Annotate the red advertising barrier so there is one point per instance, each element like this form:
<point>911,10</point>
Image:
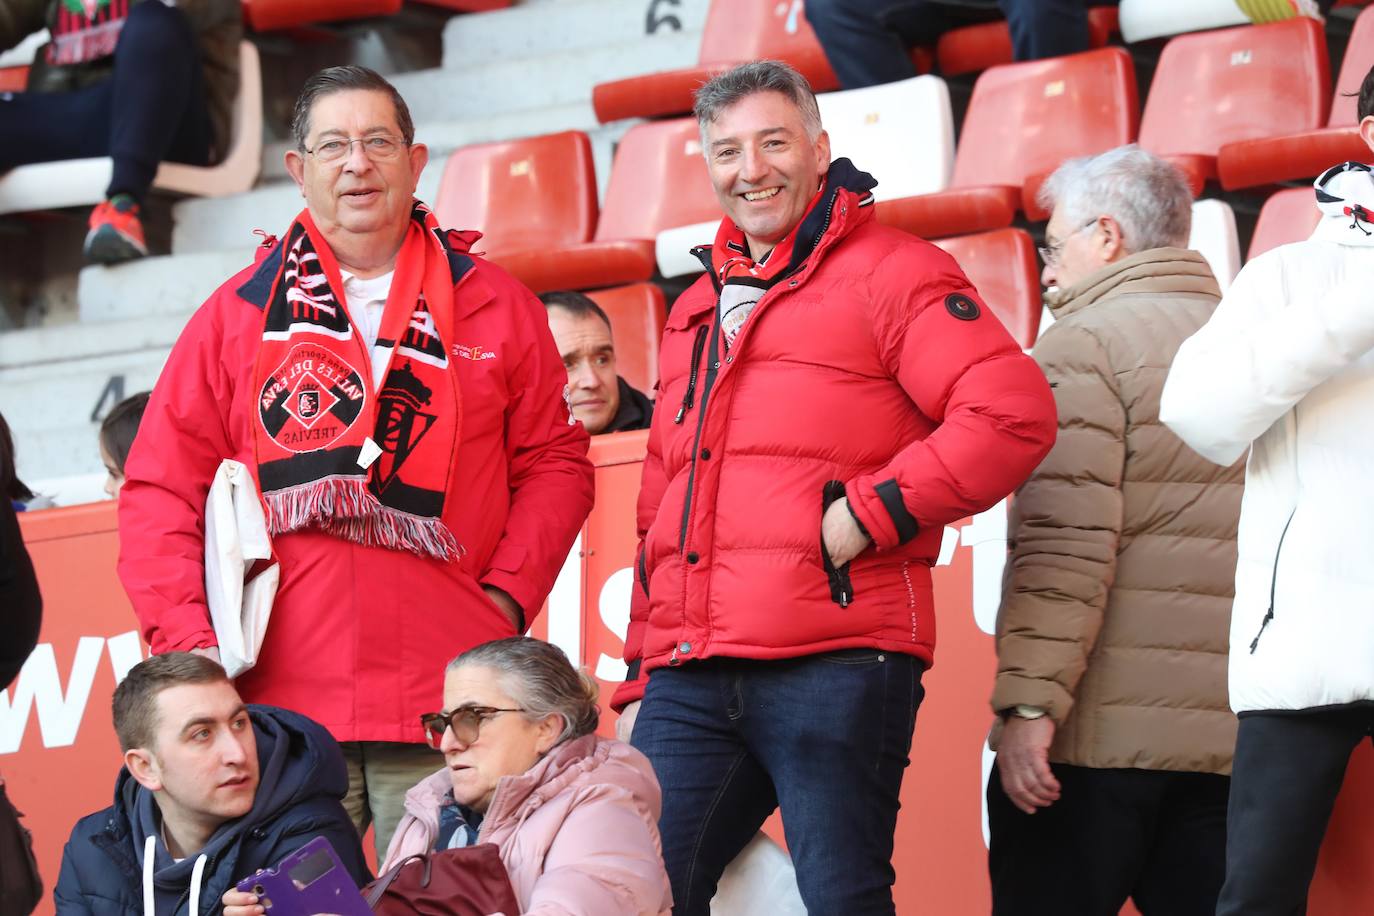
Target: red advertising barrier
<point>58,751</point>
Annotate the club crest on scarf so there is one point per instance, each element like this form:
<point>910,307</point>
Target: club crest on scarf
<point>321,422</point>
<point>310,399</point>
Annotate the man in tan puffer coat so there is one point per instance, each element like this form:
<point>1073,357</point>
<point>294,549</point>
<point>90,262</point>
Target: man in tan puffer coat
<point>1114,734</point>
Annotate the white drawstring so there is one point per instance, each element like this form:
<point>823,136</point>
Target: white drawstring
<point>149,854</point>
<point>195,885</point>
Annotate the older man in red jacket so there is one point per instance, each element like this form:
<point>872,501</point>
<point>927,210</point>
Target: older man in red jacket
<point>833,393</point>
<point>400,403</point>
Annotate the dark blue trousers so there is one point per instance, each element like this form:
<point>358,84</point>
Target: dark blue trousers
<point>867,41</point>
<point>150,109</point>
<point>824,737</point>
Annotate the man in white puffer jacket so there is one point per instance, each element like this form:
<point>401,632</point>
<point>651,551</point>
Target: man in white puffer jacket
<point>1285,367</point>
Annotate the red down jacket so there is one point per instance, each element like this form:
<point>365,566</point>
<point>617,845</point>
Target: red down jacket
<point>359,636</point>
<point>873,363</point>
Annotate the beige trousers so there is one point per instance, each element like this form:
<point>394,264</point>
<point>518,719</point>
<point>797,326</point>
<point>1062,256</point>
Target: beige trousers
<point>379,775</point>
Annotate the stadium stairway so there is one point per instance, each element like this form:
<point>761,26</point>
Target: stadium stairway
<point>509,73</point>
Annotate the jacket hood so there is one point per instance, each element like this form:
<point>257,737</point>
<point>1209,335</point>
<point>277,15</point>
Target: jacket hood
<point>292,766</point>
<point>1345,196</point>
<point>586,760</point>
<point>1156,270</point>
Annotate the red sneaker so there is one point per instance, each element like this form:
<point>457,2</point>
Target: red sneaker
<point>116,232</point>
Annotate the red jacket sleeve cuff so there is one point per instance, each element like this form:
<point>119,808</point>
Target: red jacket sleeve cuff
<point>880,508</point>
<point>517,588</point>
<point>192,631</point>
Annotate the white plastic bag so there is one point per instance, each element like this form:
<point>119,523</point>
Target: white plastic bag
<point>236,537</point>
<point>760,880</point>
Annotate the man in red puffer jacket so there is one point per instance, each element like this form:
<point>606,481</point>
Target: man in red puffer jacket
<point>832,394</point>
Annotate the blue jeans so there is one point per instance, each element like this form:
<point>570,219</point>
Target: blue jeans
<point>823,737</point>
<point>867,41</point>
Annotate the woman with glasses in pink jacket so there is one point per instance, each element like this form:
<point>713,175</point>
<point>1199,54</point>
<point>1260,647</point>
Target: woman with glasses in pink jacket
<point>574,815</point>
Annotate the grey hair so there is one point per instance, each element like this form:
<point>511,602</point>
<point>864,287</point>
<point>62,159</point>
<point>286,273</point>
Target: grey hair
<point>541,681</point>
<point>341,79</point>
<point>725,89</point>
<point>1147,196</point>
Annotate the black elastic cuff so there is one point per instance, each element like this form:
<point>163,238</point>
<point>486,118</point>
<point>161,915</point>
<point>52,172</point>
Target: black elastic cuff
<point>632,673</point>
<point>891,495</point>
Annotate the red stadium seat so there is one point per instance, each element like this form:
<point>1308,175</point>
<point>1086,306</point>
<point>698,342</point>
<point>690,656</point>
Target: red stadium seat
<point>536,193</point>
<point>736,31</point>
<point>1002,267</point>
<point>637,314</point>
<point>988,44</point>
<point>1023,121</point>
<point>468,6</point>
<point>268,15</point>
<point>1251,163</point>
<point>658,181</point>
<point>1287,216</point>
<point>1214,88</point>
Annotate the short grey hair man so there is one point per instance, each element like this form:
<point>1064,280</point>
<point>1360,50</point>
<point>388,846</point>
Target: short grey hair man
<point>1136,200</point>
<point>728,88</point>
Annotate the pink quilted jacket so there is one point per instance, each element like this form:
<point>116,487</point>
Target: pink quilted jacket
<point>578,832</point>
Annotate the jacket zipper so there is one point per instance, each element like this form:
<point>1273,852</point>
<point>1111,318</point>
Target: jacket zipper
<point>1273,583</point>
<point>841,589</point>
<point>703,254</point>
<point>643,572</point>
<point>689,398</point>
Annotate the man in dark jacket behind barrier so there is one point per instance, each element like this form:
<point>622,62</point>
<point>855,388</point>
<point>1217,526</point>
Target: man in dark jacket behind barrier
<point>211,791</point>
<point>833,393</point>
<point>599,398</point>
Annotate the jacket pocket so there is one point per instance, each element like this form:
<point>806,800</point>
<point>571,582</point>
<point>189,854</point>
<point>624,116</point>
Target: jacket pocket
<point>1273,583</point>
<point>841,590</point>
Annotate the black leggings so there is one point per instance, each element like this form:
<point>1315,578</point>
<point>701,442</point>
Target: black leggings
<point>151,108</point>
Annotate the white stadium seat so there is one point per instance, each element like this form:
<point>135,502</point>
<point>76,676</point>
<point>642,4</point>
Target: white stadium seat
<point>1214,237</point>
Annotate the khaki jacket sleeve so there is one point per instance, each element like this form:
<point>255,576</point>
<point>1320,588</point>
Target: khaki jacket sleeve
<point>1064,530</point>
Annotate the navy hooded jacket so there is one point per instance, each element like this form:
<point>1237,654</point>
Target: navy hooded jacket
<point>302,779</point>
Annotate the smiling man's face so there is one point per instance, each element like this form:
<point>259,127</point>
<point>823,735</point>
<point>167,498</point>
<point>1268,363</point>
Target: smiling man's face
<point>356,194</point>
<point>764,166</point>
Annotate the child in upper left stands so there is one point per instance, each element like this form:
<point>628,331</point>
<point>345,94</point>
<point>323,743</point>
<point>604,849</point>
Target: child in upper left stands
<point>117,433</point>
<point>139,81</point>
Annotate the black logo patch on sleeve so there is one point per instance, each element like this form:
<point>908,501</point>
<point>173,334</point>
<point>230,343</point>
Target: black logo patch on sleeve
<point>962,307</point>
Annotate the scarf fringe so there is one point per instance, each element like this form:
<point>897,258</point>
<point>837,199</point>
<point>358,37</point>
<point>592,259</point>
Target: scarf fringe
<point>345,508</point>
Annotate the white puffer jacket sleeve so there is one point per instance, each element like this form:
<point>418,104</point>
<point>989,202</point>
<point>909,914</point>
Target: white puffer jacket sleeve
<point>1264,349</point>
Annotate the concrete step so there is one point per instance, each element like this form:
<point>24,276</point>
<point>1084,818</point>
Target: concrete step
<point>532,30</point>
<point>159,286</point>
<point>53,379</point>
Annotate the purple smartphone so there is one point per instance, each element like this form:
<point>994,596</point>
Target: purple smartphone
<point>309,882</point>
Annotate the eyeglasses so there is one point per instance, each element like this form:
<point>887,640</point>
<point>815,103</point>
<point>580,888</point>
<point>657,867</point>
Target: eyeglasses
<point>466,722</point>
<point>377,147</point>
<point>1050,253</point>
